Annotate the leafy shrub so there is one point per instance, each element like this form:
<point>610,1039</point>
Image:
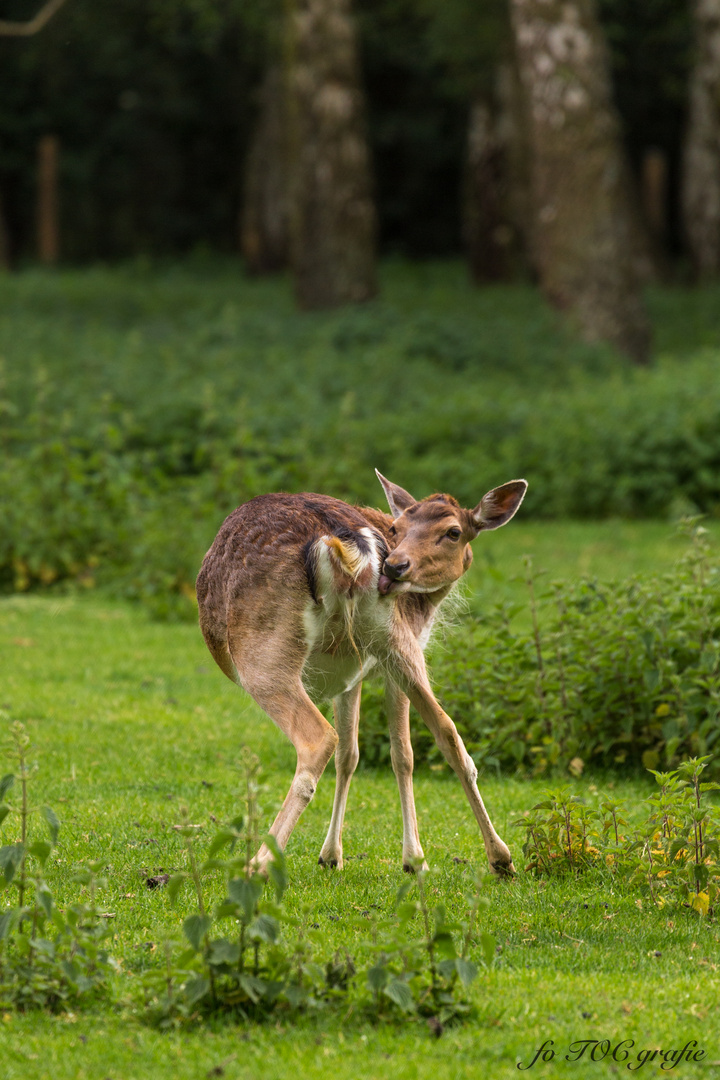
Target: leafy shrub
<point>611,674</point>
<point>266,959</point>
<point>674,855</point>
<point>49,958</point>
<point>427,975</point>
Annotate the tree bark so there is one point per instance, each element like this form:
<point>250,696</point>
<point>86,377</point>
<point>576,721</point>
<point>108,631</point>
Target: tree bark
<point>48,227</point>
<point>585,233</point>
<point>701,167</point>
<point>332,211</point>
<point>496,191</point>
<point>265,223</point>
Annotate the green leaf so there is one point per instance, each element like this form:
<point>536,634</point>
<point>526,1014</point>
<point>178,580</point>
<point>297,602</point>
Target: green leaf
<point>227,910</point>
<point>4,811</point>
<point>246,892</point>
<point>264,928</point>
<point>53,822</point>
<point>11,856</point>
<point>41,849</point>
<point>444,943</point>
<point>677,845</point>
<point>195,928</point>
<point>399,992</point>
<point>488,944</point>
<point>45,898</point>
<point>253,987</point>
<point>447,968</point>
<point>8,918</point>
<point>223,951</point>
<point>196,989</point>
<point>277,869</point>
<point>175,884</point>
<point>377,977</point>
<point>5,784</point>
<point>277,872</point>
<point>220,840</point>
<point>466,970</point>
<point>295,996</point>
<point>700,874</point>
<point>402,892</point>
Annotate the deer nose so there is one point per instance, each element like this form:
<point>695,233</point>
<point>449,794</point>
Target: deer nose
<point>395,570</point>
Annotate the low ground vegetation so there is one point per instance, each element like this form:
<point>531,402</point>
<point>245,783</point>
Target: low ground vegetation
<point>246,957</point>
<point>128,724</point>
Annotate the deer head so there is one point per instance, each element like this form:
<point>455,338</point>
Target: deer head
<point>431,538</point>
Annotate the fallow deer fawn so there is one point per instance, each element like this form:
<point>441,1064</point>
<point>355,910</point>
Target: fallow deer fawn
<point>301,595</point>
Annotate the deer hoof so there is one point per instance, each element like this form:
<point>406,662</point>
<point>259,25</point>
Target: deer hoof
<point>332,863</point>
<point>503,869</point>
<point>413,867</point>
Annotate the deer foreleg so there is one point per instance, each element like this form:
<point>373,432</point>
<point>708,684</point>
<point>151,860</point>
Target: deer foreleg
<point>412,677</point>
<point>453,748</point>
<point>347,716</point>
<point>401,755</point>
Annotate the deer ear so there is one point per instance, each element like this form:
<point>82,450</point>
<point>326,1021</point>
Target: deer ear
<point>398,498</point>
<point>499,505</point>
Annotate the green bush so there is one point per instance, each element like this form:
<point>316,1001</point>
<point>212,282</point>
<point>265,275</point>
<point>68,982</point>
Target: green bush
<point>673,854</point>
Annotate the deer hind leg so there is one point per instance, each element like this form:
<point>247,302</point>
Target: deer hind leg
<point>347,716</point>
<point>280,693</point>
<point>412,676</point>
<point>401,755</point>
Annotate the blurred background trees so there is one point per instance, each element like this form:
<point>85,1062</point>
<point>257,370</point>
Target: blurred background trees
<point>312,133</point>
<point>701,180</point>
<point>586,243</point>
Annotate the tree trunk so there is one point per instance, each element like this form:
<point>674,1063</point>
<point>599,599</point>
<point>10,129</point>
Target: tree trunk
<point>496,191</point>
<point>701,172</point>
<point>332,211</point>
<point>654,192</point>
<point>48,229</point>
<point>585,235</point>
<point>265,223</point>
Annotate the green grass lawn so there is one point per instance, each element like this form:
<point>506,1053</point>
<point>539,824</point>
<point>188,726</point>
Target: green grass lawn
<point>130,721</point>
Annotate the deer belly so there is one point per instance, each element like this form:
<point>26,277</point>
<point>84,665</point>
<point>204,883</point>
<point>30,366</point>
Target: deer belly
<point>325,676</point>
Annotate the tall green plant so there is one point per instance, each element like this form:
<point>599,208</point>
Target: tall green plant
<point>49,958</point>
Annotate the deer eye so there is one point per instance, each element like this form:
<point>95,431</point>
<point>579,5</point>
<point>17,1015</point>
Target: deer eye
<point>392,530</point>
<point>453,534</point>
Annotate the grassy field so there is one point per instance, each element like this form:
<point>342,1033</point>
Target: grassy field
<point>130,721</point>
